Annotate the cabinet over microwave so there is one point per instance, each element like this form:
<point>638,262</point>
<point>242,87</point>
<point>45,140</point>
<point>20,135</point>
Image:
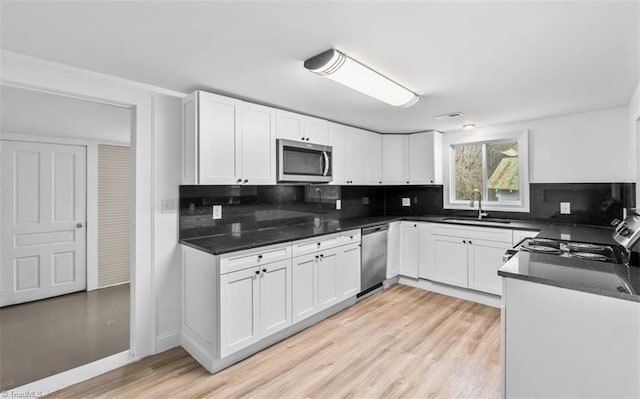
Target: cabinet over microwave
<point>303,162</point>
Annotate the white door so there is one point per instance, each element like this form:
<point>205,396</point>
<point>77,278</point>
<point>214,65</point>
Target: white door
<point>327,279</point>
<point>219,120</point>
<point>239,304</point>
<point>258,145</point>
<point>43,221</point>
<point>450,260</point>
<point>349,271</point>
<point>394,249</point>
<point>303,291</point>
<point>485,258</point>
<point>409,257</point>
<point>275,297</point>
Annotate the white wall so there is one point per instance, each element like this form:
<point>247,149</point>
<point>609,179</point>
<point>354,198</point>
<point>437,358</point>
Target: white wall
<point>586,147</point>
<point>168,283</point>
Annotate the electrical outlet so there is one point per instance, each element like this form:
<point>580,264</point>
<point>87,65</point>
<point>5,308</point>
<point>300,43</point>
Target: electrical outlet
<point>406,202</point>
<point>338,204</point>
<point>365,200</point>
<point>565,208</point>
<point>217,211</point>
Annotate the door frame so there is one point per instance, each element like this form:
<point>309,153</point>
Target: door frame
<point>36,74</point>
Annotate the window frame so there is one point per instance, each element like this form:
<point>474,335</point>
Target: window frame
<point>448,193</point>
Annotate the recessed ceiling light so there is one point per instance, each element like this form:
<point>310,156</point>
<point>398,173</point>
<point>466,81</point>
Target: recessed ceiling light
<point>448,116</point>
<point>469,126</point>
<point>340,68</point>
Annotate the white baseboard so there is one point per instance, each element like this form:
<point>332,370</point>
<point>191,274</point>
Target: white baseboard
<point>462,293</point>
<point>167,341</point>
<point>67,378</point>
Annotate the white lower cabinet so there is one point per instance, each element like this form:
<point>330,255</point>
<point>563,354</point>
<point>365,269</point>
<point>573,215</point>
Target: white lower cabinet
<point>450,260</point>
<point>485,258</point>
<point>470,262</point>
<point>394,249</point>
<point>303,293</point>
<point>239,310</point>
<point>409,257</point>
<point>324,278</point>
<point>348,271</point>
<point>254,303</point>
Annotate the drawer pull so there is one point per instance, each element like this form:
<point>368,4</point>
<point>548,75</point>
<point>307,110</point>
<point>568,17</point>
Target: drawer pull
<point>257,271</point>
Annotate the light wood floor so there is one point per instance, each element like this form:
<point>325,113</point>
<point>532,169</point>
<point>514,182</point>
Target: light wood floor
<point>401,343</point>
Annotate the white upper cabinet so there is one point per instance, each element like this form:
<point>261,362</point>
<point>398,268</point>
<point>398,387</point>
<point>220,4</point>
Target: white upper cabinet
<point>336,140</point>
<point>425,158</point>
<point>227,141</point>
<point>219,120</point>
<point>258,145</point>
<point>349,154</point>
<point>395,159</point>
<point>371,158</point>
<point>353,155</point>
<point>299,127</point>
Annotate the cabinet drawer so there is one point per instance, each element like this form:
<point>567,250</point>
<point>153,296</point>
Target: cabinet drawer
<point>350,237</point>
<point>252,257</point>
<point>481,233</point>
<point>314,244</point>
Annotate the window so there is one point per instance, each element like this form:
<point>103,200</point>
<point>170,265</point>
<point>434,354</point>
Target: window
<point>494,166</point>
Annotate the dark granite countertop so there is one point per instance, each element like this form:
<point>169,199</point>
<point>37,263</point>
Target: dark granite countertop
<point>601,278</point>
<point>225,243</point>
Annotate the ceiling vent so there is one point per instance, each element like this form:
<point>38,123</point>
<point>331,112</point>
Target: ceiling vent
<point>448,116</point>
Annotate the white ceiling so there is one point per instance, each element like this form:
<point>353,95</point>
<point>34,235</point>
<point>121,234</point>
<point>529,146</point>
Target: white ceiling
<point>44,114</point>
<point>495,61</point>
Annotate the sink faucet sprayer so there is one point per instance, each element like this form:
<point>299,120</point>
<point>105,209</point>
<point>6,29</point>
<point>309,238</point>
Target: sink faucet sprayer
<point>473,196</point>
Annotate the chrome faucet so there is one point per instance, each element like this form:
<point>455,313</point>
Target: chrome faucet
<point>473,196</point>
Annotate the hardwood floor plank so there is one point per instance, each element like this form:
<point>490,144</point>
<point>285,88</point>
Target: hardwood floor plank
<point>401,343</point>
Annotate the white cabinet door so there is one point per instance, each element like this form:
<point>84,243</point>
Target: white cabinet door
<point>353,155</point>
<point>421,158</point>
<point>425,251</point>
<point>239,308</point>
<point>395,159</point>
<point>304,301</point>
<point>485,258</point>
<point>257,150</point>
<point>316,130</point>
<point>336,140</point>
<point>394,249</point>
<point>348,271</point>
<point>450,260</point>
<point>289,126</point>
<point>327,278</point>
<point>275,297</point>
<point>219,119</point>
<point>371,158</point>
<point>409,257</point>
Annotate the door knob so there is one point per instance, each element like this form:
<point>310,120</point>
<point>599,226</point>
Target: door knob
<point>79,225</point>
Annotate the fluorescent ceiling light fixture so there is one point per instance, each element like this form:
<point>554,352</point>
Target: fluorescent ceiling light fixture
<point>469,126</point>
<point>338,67</point>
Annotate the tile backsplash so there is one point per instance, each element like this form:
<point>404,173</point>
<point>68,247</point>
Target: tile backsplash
<point>254,207</point>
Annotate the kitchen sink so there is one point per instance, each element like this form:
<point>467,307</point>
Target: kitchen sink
<point>476,220</point>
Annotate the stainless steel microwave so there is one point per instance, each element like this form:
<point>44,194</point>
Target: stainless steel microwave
<point>303,162</point>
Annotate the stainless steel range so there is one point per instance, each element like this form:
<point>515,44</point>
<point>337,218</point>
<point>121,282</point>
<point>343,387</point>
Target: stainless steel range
<point>569,249</point>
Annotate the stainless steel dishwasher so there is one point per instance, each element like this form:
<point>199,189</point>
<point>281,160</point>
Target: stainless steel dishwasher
<point>373,268</point>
